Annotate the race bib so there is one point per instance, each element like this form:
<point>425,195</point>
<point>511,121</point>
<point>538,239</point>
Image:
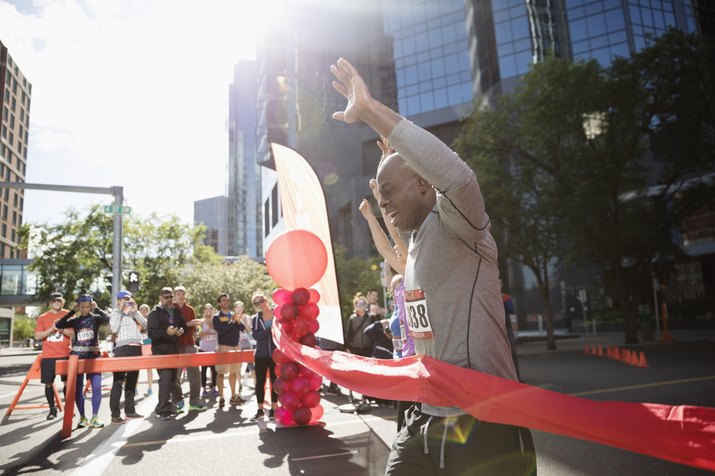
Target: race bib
<point>417,317</point>
<point>208,337</point>
<point>55,337</point>
<point>85,334</point>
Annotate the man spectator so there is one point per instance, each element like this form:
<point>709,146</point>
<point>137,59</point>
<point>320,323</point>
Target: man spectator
<point>187,345</point>
<point>372,296</point>
<point>165,326</point>
<point>455,313</point>
<point>126,324</point>
<point>228,326</point>
<point>56,346</point>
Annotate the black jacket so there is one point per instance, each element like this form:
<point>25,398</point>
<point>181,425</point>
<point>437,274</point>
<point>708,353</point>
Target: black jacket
<point>157,323</point>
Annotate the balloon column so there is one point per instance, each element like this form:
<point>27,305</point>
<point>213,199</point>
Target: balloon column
<point>296,260</point>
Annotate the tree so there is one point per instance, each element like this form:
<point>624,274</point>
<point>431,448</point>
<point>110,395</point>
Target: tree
<point>518,150</point>
<point>75,257</point>
<point>240,280</point>
<point>354,275</point>
<point>603,160</point>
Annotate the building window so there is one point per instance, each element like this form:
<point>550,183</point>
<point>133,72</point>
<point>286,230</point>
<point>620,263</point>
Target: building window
<point>274,205</point>
<point>266,218</point>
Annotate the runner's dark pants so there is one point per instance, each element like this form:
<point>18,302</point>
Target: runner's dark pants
<point>128,380</point>
<point>468,446</point>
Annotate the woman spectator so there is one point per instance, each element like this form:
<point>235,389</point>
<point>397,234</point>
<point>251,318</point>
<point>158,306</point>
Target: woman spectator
<point>208,343</point>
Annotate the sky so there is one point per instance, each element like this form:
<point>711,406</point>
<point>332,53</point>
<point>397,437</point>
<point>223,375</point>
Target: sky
<point>128,92</point>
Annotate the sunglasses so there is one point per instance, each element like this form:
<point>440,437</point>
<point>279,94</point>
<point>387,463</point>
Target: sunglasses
<point>57,300</point>
<point>361,304</point>
<point>168,296</point>
<point>258,302</point>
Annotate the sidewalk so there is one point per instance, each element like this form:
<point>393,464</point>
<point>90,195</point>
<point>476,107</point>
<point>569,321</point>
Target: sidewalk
<point>15,351</point>
<point>577,341</point>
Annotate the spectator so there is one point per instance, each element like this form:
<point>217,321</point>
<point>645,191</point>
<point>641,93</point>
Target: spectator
<point>187,345</point>
<point>208,343</point>
<point>261,329</point>
<point>228,328</point>
<point>86,346</point>
<point>55,346</point>
<point>146,350</point>
<point>244,341</point>
<point>355,339</point>
<point>125,323</point>
<point>165,326</point>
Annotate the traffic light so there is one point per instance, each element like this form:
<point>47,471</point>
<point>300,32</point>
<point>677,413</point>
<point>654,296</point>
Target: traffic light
<point>133,282</point>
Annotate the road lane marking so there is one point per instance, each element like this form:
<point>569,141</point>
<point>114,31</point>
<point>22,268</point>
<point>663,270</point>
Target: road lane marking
<point>332,455</point>
<point>644,385</point>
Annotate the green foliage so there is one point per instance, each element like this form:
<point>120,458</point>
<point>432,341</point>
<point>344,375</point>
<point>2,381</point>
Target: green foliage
<point>550,182</point>
<point>355,275</point>
<point>240,280</point>
<point>75,256</point>
<point>23,328</point>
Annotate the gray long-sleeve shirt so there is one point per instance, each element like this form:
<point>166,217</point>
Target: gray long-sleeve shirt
<point>126,327</point>
<point>453,259</point>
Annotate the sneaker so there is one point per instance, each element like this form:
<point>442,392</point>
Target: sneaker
<point>118,420</point>
<point>221,402</point>
<point>165,417</point>
<point>214,393</point>
<point>204,393</point>
<point>271,414</point>
<point>180,406</point>
<point>237,400</point>
<point>133,415</point>
<point>332,391</point>
<point>198,407</point>
<point>83,422</point>
<point>96,423</point>
<point>53,414</point>
<point>148,392</point>
<point>259,415</point>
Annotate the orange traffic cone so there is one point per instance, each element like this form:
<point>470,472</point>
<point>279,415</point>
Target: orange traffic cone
<point>600,351</point>
<point>642,362</point>
<point>634,359</point>
<point>616,354</point>
<point>586,350</point>
<point>626,356</point>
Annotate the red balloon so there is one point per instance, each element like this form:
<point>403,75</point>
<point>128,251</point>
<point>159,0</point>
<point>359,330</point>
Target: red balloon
<point>281,296</point>
<point>281,386</point>
<point>309,311</point>
<point>309,340</point>
<point>313,326</point>
<point>316,381</point>
<point>316,412</point>
<point>284,416</point>
<point>310,399</point>
<point>289,311</point>
<point>301,296</point>
<point>302,415</point>
<point>300,385</point>
<point>300,327</point>
<point>306,372</point>
<point>289,400</point>
<point>314,295</point>
<point>287,326</point>
<point>278,370</point>
<point>289,371</point>
<point>279,357</point>
<point>296,259</point>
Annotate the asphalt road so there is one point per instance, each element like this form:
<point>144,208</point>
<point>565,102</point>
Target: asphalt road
<point>223,441</point>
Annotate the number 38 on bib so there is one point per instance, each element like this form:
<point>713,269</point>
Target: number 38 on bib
<point>417,316</point>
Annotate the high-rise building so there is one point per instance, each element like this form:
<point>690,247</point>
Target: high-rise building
<point>14,129</point>
<point>244,174</point>
<point>213,213</point>
<point>296,100</point>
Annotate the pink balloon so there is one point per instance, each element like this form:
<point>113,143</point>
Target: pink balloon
<point>306,372</point>
<point>317,413</point>
<point>287,326</point>
<point>284,416</point>
<point>309,340</point>
<point>314,295</point>
<point>301,296</point>
<point>309,311</point>
<point>279,357</point>
<point>282,296</point>
<point>296,259</point>
<point>289,311</point>
<point>289,400</point>
<point>316,381</point>
<point>289,371</point>
<point>300,327</point>
<point>281,386</point>
<point>313,326</point>
<point>302,415</point>
<point>300,385</point>
<point>310,399</point>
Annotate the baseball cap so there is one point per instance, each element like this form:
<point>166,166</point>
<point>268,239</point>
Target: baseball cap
<point>55,296</point>
<point>123,294</point>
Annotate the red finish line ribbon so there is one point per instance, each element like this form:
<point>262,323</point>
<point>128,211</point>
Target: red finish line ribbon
<point>682,434</point>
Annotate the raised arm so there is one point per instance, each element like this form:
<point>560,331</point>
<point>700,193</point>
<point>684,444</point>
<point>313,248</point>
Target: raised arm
<point>380,239</point>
